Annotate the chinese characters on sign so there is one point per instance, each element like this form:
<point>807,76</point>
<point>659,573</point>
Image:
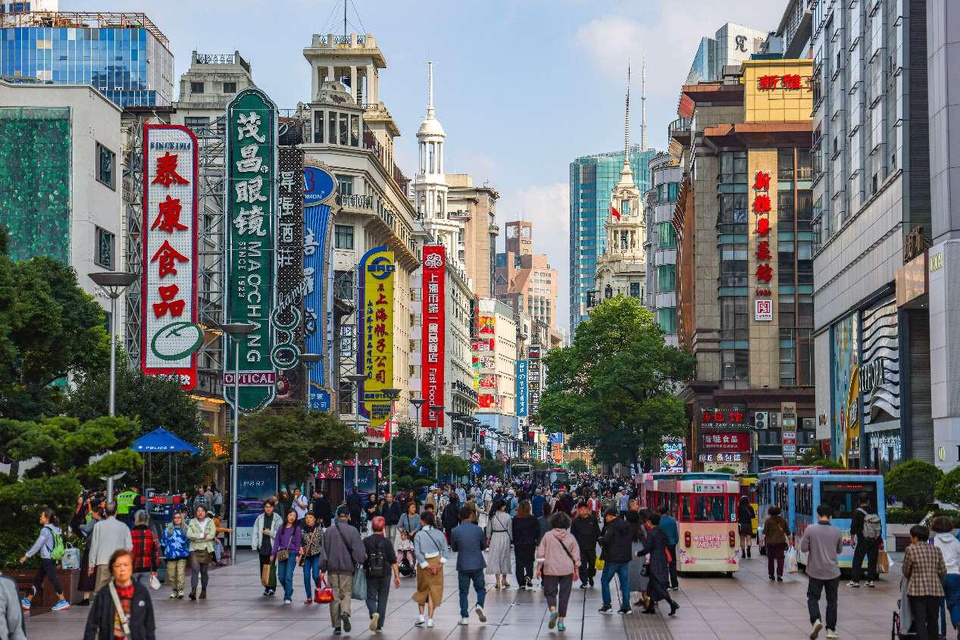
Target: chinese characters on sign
<point>720,457</point>
<point>434,328</point>
<point>169,301</point>
<point>522,408</point>
<point>717,417</point>
<point>788,82</point>
<point>761,209</point>
<point>375,357</point>
<point>250,238</point>
<point>534,380</point>
<point>727,441</point>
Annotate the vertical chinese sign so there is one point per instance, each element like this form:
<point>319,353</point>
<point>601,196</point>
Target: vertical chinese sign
<point>434,327</point>
<point>169,337</point>
<point>250,209</point>
<point>375,320</point>
<point>486,374</point>
<point>287,315</point>
<point>522,390</point>
<point>763,296</point>
<point>319,191</point>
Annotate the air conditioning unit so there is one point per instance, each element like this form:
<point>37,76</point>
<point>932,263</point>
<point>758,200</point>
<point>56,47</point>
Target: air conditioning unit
<point>808,423</point>
<point>761,420</point>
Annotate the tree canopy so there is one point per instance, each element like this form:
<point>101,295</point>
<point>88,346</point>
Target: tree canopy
<point>612,389</point>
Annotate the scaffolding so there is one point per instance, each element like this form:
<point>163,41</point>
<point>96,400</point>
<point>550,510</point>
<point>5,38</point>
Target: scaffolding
<point>132,154</point>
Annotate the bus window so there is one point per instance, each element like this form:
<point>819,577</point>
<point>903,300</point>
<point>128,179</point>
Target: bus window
<point>709,509</point>
<point>843,497</point>
<point>685,508</point>
<point>732,508</point>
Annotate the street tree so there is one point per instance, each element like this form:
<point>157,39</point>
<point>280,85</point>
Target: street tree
<point>612,389</point>
<point>578,465</point>
<point>296,437</point>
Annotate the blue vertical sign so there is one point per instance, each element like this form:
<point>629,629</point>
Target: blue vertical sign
<point>318,190</point>
<point>522,389</point>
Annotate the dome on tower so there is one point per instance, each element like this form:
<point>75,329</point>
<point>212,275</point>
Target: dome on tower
<point>431,127</point>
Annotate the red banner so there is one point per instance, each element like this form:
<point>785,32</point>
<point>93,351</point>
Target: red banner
<point>727,441</point>
<point>434,326</point>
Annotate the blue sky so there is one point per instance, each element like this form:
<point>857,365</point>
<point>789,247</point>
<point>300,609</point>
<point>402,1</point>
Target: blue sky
<point>522,87</point>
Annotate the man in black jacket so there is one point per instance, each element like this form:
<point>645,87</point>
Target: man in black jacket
<point>391,514</point>
<point>586,530</point>
<point>355,507</point>
<point>868,543</point>
<point>617,549</point>
<point>322,508</point>
<point>450,517</point>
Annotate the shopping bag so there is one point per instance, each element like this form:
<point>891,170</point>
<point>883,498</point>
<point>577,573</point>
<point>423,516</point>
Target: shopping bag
<point>598,565</point>
<point>791,561</point>
<point>268,576</point>
<point>323,594</point>
<point>763,550</point>
<point>71,558</point>
<point>360,584</point>
<point>154,583</point>
<point>883,562</point>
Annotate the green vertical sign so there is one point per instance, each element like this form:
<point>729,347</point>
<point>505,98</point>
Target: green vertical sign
<point>250,238</point>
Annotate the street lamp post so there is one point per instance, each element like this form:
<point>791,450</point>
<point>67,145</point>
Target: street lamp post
<point>438,409</point>
<point>356,379</point>
<point>114,283</point>
<point>236,331</point>
<point>308,359</point>
<point>417,403</point>
<point>393,394</point>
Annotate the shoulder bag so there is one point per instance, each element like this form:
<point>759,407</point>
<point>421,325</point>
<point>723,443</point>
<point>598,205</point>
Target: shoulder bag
<point>124,619</point>
<point>306,548</point>
<point>567,551</point>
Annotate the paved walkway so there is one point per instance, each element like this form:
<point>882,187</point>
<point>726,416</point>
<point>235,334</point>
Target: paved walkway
<point>747,607</point>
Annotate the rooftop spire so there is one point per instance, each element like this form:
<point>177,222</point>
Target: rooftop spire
<point>643,105</point>
<point>626,127</point>
<point>430,89</point>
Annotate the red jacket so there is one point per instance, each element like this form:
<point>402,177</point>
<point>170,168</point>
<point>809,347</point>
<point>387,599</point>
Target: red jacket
<point>146,550</point>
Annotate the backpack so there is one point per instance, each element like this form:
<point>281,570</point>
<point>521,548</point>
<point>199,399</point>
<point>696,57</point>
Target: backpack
<point>58,548</point>
<point>872,525</point>
<point>376,563</point>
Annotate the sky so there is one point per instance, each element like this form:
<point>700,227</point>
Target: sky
<point>522,87</point>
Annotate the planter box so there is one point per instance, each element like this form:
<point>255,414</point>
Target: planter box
<point>46,596</point>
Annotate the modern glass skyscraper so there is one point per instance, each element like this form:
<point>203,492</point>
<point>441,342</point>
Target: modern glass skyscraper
<point>123,55</point>
<point>592,179</point>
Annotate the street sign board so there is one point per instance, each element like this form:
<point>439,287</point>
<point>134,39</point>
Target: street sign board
<point>475,468</point>
<point>475,456</point>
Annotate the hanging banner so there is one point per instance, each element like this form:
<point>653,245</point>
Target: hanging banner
<point>169,335</point>
<point>375,326</point>
<point>522,408</point>
<point>287,318</point>
<point>250,209</point>
<point>434,328</point>
<point>319,192</point>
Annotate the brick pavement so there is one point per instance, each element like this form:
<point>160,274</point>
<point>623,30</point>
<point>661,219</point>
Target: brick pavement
<point>745,608</point>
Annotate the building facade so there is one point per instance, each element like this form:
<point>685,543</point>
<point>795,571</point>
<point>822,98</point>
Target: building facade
<point>731,45</point>
<point>525,280</point>
<point>125,56</point>
<point>208,86</point>
<point>495,359</point>
<point>475,207</point>
<point>666,175</point>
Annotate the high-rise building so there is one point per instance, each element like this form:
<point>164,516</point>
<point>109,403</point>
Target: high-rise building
<point>666,174</point>
<point>123,55</point>
<point>26,6</point>
<point>474,206</point>
<point>525,280</point>
<point>731,45</point>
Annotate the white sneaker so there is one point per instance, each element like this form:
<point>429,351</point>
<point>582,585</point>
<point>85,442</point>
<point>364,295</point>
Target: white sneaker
<point>855,585</point>
<point>481,614</point>
<point>464,622</point>
<point>816,629</point>
<point>420,620</point>
<point>429,623</point>
<point>831,634</point>
<point>871,584</point>
<point>374,619</point>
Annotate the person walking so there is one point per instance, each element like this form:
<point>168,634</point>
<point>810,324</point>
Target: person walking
<point>950,548</point>
<point>299,504</point>
<point>822,543</point>
<point>176,550</point>
<point>391,516</point>
<point>866,528</point>
<point>776,539</point>
<point>265,529</point>
<point>617,547</point>
<point>322,509</point>
<point>586,531</point>
<point>124,609</point>
<point>108,536</point>
<point>201,532</point>
<point>381,569</point>
<point>543,521</point>
<point>669,527</point>
<point>469,541</point>
<point>451,515</point>
<point>146,550</point>
<point>745,516</point>
<point>311,536</point>
<point>409,522</point>
<point>355,505</point>
<point>343,550</point>
<point>656,547</point>
<point>499,539</point>
<point>286,553</point>
<point>558,565</point>
<point>429,548</point>
<point>217,501</point>
<point>924,569</point>
<point>49,544</point>
<point>526,534</point>
<point>12,625</point>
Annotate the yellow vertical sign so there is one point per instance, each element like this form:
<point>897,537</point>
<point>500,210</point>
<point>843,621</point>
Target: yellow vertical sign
<point>376,336</point>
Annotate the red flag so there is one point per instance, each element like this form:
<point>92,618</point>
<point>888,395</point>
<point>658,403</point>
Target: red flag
<point>613,210</point>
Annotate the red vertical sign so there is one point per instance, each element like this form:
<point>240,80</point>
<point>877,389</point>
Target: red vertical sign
<point>434,326</point>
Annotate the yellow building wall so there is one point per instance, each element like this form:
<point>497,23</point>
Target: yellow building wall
<point>777,104</point>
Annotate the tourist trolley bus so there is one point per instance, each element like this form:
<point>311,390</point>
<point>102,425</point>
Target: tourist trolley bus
<point>705,507</point>
<point>798,492</point>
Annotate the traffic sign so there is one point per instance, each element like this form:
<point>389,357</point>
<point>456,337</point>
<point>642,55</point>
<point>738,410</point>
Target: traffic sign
<point>475,468</point>
<point>475,457</point>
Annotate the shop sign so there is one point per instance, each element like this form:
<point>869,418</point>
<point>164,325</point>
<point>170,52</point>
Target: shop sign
<point>763,301</point>
<point>728,441</point>
<point>251,200</point>
<point>169,336</point>
<point>434,330</point>
<point>712,487</point>
<point>672,460</point>
<point>721,418</point>
<point>720,457</point>
<point>375,325</point>
<point>287,316</point>
<point>522,389</point>
<point>319,189</point>
<point>786,82</point>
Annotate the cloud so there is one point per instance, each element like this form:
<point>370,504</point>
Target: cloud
<point>548,208</point>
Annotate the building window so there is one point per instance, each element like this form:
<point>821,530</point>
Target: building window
<point>230,87</point>
<point>106,166</point>
<point>318,126</point>
<point>196,87</point>
<point>196,122</point>
<point>343,236</point>
<point>667,277</point>
<point>103,251</point>
<point>345,185</point>
<point>634,289</point>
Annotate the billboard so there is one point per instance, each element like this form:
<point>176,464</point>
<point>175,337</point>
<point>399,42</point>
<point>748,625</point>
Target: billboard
<point>434,327</point>
<point>169,336</point>
<point>672,460</point>
<point>287,315</point>
<point>522,408</point>
<point>319,191</point>
<point>255,483</point>
<point>375,326</point>
<point>250,210</point>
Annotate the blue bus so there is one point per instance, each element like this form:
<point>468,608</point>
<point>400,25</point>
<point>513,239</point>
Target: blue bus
<point>799,491</point>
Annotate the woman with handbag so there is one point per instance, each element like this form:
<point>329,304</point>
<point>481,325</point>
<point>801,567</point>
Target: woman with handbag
<point>558,565</point>
<point>499,540</point>
<point>286,549</point>
<point>201,532</point>
<point>775,539</point>
<point>312,537</point>
<point>430,549</point>
<point>123,608</point>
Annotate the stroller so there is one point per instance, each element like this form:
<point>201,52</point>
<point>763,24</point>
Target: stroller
<point>902,628</point>
<point>406,560</point>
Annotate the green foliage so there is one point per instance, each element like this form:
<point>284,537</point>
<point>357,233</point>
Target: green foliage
<point>612,389</point>
<point>913,482</point>
<point>948,489</point>
<point>49,327</point>
<point>491,467</point>
<point>902,515</point>
<point>296,437</point>
<point>453,466</point>
<point>826,463</point>
<point>730,470</point>
<point>578,465</point>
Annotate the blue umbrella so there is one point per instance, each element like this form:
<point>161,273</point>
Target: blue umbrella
<point>162,441</point>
